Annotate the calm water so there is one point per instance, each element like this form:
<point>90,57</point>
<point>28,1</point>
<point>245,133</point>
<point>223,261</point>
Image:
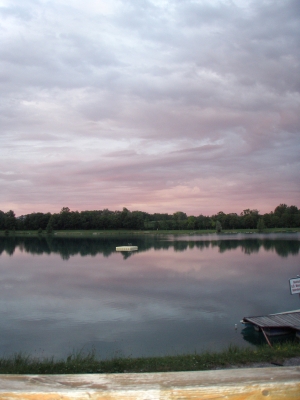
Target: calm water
<point>175,295</point>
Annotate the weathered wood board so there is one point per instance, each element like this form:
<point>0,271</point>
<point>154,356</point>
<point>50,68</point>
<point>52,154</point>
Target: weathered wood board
<point>233,384</point>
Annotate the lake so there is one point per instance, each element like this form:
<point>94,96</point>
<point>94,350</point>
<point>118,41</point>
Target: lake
<point>175,295</point>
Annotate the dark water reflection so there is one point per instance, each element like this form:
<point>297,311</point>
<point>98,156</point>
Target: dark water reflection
<point>67,247</point>
<point>175,295</point>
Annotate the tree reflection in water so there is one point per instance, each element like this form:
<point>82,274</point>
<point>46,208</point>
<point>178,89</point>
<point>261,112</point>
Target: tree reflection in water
<point>67,247</point>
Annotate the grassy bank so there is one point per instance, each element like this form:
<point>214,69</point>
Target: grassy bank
<point>89,363</point>
<point>99,233</point>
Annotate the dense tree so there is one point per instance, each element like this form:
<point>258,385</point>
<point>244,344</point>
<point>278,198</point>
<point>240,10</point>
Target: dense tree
<point>10,220</point>
<point>260,225</point>
<point>203,222</point>
<point>282,216</point>
<point>2,220</point>
<point>218,227</point>
<point>249,218</point>
<point>33,221</point>
<point>279,210</point>
<point>191,222</point>
<point>231,221</point>
<point>180,220</point>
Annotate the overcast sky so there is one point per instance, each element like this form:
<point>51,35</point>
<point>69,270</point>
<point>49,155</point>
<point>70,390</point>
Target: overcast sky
<point>153,105</point>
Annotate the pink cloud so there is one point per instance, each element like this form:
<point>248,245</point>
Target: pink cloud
<point>167,107</point>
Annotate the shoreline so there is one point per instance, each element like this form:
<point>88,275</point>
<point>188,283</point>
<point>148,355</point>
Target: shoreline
<point>101,233</point>
<point>280,355</point>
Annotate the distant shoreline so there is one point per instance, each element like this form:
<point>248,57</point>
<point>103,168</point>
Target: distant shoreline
<point>97,233</point>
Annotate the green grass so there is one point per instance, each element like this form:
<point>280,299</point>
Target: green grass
<point>89,363</point>
<point>99,233</point>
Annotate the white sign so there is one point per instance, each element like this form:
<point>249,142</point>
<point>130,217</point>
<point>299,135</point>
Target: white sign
<point>295,285</point>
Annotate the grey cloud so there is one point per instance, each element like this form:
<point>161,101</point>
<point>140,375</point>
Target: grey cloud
<point>17,10</point>
<point>250,47</point>
<point>42,54</point>
<point>122,153</point>
<point>200,149</point>
<point>199,14</point>
<point>147,97</point>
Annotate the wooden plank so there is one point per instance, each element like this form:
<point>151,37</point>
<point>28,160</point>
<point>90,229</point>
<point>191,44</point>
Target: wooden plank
<point>289,319</point>
<point>235,384</point>
<point>266,337</point>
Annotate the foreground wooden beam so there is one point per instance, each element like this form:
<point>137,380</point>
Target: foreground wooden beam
<point>233,384</point>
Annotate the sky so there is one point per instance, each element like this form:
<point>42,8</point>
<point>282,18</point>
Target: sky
<point>153,105</point>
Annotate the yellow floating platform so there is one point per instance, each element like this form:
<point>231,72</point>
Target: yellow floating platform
<point>126,248</point>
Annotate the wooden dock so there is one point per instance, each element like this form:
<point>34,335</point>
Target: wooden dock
<point>276,324</point>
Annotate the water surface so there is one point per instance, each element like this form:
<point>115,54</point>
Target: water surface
<point>175,295</point>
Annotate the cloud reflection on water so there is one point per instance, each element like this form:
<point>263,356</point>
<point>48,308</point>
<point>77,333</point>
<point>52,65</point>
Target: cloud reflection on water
<point>159,301</point>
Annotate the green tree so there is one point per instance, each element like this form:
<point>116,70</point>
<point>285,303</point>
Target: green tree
<point>261,225</point>
<point>279,210</point>
<point>218,227</point>
<point>64,210</point>
<point>179,219</point>
<point>10,220</point>
<point>249,218</point>
<point>191,222</point>
<point>49,228</point>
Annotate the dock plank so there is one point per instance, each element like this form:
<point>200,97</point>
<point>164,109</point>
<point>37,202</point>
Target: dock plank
<point>282,320</point>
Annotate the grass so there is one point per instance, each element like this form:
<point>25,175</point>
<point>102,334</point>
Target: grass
<point>79,363</point>
<point>98,233</point>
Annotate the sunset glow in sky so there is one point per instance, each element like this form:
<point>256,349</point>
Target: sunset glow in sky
<point>153,105</point>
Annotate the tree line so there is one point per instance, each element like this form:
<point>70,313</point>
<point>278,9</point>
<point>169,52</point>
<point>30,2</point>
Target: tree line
<point>282,217</point>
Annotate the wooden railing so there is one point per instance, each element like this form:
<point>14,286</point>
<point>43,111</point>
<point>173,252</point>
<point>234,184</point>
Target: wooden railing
<point>233,384</point>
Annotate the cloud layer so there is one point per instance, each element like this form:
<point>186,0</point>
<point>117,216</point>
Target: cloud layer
<point>153,105</point>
